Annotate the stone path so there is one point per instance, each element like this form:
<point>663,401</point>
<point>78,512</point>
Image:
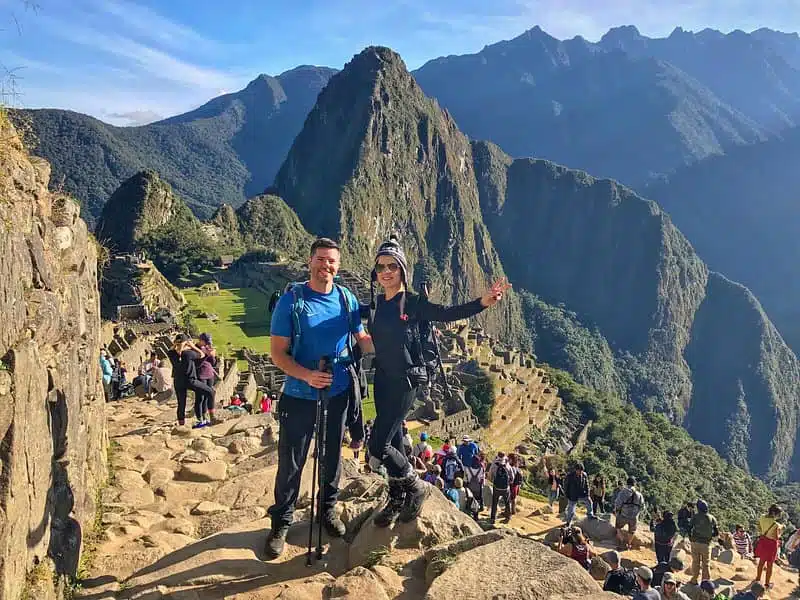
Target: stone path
<point>185,519</point>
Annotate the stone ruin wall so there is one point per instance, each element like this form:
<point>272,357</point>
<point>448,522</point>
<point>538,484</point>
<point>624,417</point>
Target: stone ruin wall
<point>52,413</point>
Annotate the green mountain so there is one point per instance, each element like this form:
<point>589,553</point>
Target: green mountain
<point>687,342</point>
<point>375,156</point>
<point>144,214</point>
<point>740,212</point>
<point>608,111</point>
<point>621,298</point>
<point>212,155</point>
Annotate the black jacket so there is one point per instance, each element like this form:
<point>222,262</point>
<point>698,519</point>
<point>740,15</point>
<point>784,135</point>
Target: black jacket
<point>393,335</point>
<point>576,487</point>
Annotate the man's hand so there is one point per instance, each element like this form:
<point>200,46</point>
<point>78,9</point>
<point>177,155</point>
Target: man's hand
<point>319,379</point>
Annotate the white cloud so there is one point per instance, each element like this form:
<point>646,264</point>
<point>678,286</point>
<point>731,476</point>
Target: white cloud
<point>134,117</point>
<point>150,24</point>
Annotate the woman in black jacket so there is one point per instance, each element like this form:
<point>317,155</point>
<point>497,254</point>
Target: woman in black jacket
<point>400,368</point>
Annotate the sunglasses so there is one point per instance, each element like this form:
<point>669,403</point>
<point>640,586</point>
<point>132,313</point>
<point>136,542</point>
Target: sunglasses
<point>391,267</point>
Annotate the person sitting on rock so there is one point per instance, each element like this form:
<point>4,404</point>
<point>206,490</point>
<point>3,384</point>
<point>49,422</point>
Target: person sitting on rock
<point>501,477</point>
<point>665,532</point>
<point>674,565</point>
<point>394,323</point>
<point>576,489</point>
<point>668,590</point>
<point>743,542</point>
<point>644,578</point>
<point>628,505</point>
<point>577,548</point>
<point>329,320</point>
<point>704,529</point>
<point>618,580</point>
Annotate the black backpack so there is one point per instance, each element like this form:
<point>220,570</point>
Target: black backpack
<point>501,478</point>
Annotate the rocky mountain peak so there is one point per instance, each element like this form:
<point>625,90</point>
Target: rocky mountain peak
<point>140,205</point>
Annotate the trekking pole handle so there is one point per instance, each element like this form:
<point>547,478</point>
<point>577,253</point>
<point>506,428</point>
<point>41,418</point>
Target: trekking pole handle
<point>325,364</point>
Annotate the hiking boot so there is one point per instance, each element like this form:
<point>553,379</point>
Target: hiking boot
<point>416,491</point>
<point>394,504</point>
<point>276,541</point>
<point>333,524</point>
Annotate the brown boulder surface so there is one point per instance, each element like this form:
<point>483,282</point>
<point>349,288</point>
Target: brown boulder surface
<point>439,521</point>
<point>515,568</point>
<point>52,410</point>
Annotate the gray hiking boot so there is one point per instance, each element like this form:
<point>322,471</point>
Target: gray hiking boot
<point>416,491</point>
<point>333,524</point>
<point>276,540</point>
<point>394,504</point>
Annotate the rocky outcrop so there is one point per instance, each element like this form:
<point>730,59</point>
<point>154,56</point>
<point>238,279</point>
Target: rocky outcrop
<point>375,156</point>
<point>52,411</point>
<point>140,205</point>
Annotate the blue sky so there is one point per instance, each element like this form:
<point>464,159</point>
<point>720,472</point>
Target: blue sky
<point>128,61</point>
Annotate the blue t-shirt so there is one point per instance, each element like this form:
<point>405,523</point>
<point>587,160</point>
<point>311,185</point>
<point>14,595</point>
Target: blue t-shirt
<point>466,453</point>
<point>324,324</point>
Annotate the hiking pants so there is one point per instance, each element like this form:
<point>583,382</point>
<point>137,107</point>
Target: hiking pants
<point>297,420</point>
<point>663,552</point>
<point>552,496</point>
<point>701,555</point>
<point>393,400</point>
<point>598,505</point>
<point>180,394</point>
<point>570,514</point>
<point>203,400</point>
<point>496,496</point>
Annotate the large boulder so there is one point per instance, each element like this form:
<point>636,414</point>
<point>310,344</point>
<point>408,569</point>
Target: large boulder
<point>598,530</point>
<point>439,521</point>
<point>358,584</point>
<point>515,568</point>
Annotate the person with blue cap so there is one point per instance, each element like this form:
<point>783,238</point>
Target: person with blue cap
<point>394,324</point>
<point>423,449</point>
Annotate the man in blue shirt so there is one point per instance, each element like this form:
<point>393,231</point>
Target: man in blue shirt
<point>328,318</point>
<point>467,450</point>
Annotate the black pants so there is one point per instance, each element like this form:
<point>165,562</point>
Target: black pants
<point>496,496</point>
<point>598,505</point>
<point>180,394</point>
<point>662,552</point>
<point>297,418</point>
<point>203,396</point>
<point>393,400</point>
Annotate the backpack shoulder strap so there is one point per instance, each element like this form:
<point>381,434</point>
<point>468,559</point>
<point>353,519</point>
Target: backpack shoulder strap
<point>298,305</point>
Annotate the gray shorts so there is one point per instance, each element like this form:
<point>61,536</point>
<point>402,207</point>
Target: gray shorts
<point>621,522</point>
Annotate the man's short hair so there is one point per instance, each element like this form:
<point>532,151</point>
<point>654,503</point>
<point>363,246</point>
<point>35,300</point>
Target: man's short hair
<point>324,242</point>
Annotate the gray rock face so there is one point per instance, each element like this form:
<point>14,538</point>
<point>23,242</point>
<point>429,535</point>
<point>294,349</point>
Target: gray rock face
<point>52,410</point>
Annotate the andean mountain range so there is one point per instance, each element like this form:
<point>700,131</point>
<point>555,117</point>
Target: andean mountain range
<point>621,299</point>
<point>641,314</point>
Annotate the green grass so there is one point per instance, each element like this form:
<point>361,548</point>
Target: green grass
<point>243,319</point>
<point>368,405</point>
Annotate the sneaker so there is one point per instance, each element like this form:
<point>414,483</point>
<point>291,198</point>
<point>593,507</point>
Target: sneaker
<point>416,491</point>
<point>333,524</point>
<point>394,504</point>
<point>198,425</point>
<point>276,540</point>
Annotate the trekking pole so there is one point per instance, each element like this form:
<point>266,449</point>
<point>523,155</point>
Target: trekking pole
<point>316,466</point>
<point>324,365</point>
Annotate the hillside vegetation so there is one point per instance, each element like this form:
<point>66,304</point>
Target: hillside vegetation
<point>669,465</point>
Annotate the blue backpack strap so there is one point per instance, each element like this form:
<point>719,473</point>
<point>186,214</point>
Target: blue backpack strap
<point>349,301</point>
<point>298,304</point>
